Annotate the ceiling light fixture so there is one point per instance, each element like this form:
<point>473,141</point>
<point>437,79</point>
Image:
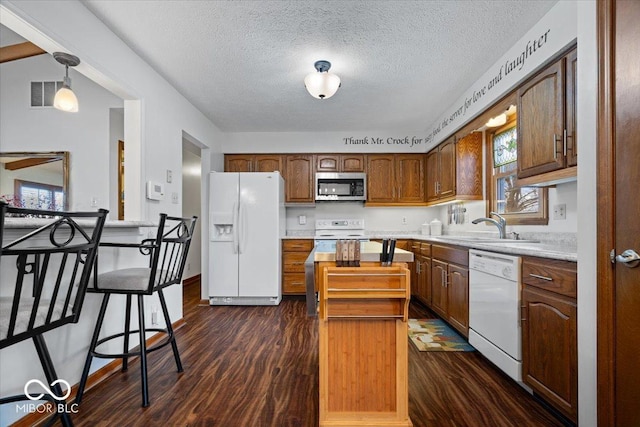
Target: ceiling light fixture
<point>65,99</point>
<point>496,121</point>
<point>322,84</point>
<point>501,119</point>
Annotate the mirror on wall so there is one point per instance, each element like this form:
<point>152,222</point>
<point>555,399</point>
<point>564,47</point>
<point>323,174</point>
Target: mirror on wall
<point>35,180</point>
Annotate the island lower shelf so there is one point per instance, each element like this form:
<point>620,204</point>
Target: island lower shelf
<point>362,328</point>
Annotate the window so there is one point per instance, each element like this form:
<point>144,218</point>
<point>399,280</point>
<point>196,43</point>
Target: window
<point>35,195</point>
<point>519,205</point>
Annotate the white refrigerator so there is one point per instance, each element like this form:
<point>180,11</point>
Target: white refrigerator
<point>246,223</point>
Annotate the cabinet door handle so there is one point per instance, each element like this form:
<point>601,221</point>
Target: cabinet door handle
<point>537,276</point>
<point>555,146</point>
<point>564,142</point>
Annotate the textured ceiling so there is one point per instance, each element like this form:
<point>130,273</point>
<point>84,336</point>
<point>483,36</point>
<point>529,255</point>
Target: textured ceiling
<point>242,63</point>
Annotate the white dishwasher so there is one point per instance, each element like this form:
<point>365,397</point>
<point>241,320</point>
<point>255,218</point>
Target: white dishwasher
<point>494,309</point>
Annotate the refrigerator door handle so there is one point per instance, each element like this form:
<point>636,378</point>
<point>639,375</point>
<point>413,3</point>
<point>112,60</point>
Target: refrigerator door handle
<point>235,228</point>
<point>243,224</point>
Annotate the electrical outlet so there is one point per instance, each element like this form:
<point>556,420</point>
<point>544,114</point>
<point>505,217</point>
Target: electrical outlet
<point>404,220</point>
<point>169,176</point>
<point>154,316</point>
<point>94,202</point>
<point>560,211</point>
<point>302,219</point>
<point>174,198</point>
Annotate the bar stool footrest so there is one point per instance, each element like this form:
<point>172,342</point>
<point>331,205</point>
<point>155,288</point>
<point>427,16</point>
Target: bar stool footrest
<point>163,343</point>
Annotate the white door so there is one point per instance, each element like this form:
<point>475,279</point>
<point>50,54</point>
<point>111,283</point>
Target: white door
<point>223,229</point>
<point>259,235</point>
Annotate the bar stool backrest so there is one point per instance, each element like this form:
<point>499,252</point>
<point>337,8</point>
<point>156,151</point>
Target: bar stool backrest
<point>45,270</point>
<point>169,250</point>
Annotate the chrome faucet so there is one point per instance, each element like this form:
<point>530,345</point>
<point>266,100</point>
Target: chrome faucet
<point>501,223</point>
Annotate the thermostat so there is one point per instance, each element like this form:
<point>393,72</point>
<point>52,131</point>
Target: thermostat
<point>155,191</point>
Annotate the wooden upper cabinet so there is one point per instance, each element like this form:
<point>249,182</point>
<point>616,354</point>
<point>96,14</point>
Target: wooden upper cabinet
<point>352,162</point>
<point>546,119</point>
<point>253,163</point>
<point>433,172</point>
<point>381,177</point>
<point>468,161</point>
<point>454,170</point>
<point>238,162</point>
<point>268,163</point>
<point>339,163</point>
<point>298,178</point>
<point>410,178</point>
<point>327,162</point>
<point>447,187</point>
<point>396,179</point>
<point>572,131</point>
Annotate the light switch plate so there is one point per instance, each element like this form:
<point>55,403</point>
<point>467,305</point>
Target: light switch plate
<point>302,219</point>
<point>175,198</point>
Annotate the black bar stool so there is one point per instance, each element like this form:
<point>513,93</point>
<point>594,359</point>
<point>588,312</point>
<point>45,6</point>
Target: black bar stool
<point>167,256</point>
<point>49,268</point>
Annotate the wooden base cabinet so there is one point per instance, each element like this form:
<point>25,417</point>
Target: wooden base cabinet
<point>549,333</point>
<point>294,254</point>
<point>422,279</point>
<point>450,285</point>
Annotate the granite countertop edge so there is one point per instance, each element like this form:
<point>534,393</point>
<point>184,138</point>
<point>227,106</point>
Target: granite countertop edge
<point>545,249</point>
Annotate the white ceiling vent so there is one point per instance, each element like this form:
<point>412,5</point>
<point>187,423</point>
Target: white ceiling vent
<point>42,93</point>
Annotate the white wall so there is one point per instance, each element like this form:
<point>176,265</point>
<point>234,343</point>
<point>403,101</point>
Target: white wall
<point>587,202</point>
<point>84,134</point>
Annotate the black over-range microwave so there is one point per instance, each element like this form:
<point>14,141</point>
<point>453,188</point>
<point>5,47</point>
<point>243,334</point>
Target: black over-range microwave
<point>341,186</point>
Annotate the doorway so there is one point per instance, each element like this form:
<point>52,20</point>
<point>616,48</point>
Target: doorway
<point>192,206</point>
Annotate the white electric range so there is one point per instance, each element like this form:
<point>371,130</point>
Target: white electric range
<point>328,231</point>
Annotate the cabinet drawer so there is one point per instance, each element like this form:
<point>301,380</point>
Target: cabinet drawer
<point>297,245</point>
<point>293,262</point>
<point>425,249</point>
<point>293,283</point>
<point>551,275</point>
<point>454,255</point>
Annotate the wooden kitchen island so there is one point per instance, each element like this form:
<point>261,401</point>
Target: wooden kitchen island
<point>362,325</point>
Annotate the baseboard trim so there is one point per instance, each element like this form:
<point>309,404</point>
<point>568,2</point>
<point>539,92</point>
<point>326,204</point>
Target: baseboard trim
<point>35,419</point>
<point>191,280</point>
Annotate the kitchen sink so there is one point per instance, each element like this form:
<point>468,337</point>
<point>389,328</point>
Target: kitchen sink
<point>478,239</point>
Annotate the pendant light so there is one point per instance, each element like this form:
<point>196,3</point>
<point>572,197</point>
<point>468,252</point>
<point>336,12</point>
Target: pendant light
<point>322,84</point>
<point>65,99</point>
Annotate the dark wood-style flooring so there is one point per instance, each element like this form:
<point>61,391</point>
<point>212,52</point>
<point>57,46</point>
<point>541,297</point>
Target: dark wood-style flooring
<point>258,366</point>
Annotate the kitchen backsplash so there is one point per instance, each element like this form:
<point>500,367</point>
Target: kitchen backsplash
<point>409,220</point>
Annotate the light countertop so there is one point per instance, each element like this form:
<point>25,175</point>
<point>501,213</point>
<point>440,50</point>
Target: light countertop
<point>548,247</point>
